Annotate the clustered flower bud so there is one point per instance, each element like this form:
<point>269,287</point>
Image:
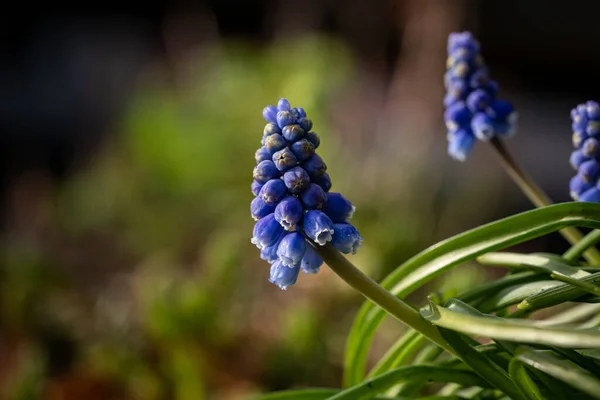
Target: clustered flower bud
<point>472,109</point>
<point>293,201</point>
<point>585,185</point>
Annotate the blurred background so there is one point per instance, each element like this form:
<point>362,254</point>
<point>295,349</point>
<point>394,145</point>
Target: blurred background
<point>127,142</point>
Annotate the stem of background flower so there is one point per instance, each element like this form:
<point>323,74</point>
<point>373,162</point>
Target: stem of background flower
<point>537,196</point>
<point>578,249</point>
<point>378,295</point>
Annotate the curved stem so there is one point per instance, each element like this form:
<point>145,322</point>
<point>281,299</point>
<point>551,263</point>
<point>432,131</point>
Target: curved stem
<point>581,247</point>
<point>378,295</point>
<point>537,196</point>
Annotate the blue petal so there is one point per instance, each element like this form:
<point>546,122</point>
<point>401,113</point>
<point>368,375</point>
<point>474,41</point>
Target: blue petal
<point>273,191</point>
<point>590,196</point>
<point>314,197</point>
<point>283,105</point>
<point>296,179</point>
<point>265,171</point>
<point>577,186</point>
<point>260,209</point>
<point>346,238</point>
<point>311,263</point>
<point>338,208</point>
<point>270,113</point>
<point>318,227</point>
<point>266,232</point>
<point>283,276</point>
<point>291,249</point>
<point>289,212</point>
<point>460,144</point>
<point>303,149</point>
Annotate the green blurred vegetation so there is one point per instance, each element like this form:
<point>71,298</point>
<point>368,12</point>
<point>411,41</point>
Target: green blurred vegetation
<point>145,284</point>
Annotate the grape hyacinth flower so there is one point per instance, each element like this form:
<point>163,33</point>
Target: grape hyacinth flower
<point>473,110</point>
<point>585,159</point>
<point>293,203</point>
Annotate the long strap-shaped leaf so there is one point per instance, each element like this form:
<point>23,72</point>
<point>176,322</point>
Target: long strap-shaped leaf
<point>511,330</point>
<point>451,252</point>
<point>410,373</point>
<point>567,372</point>
<point>300,394</point>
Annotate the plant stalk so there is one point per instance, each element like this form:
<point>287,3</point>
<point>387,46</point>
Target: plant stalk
<point>378,295</point>
<point>537,196</point>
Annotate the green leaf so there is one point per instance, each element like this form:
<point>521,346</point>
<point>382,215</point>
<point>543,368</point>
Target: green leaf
<point>412,373</point>
<point>577,250</point>
<point>399,353</point>
<point>482,365</point>
<point>556,295</point>
<point>510,329</point>
<point>302,394</point>
<point>515,294</point>
<point>537,262</point>
<point>451,252</point>
<point>518,373</point>
<point>588,287</point>
<point>481,292</point>
<point>578,359</point>
<point>571,315</point>
<point>562,370</point>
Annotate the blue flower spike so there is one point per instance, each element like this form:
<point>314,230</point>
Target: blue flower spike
<point>585,185</point>
<point>293,205</point>
<point>473,110</point>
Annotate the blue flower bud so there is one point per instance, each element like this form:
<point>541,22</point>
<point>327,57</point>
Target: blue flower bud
<point>324,181</point>
<point>284,118</point>
<point>346,238</point>
<point>458,89</point>
<point>283,105</point>
<point>269,253</point>
<point>482,126</point>
<point>577,186</point>
<point>296,180</point>
<point>578,139</point>
<point>314,197</point>
<point>460,144</point>
<point>338,208</point>
<point>460,70</point>
<point>314,166</point>
<point>456,116</point>
<point>313,138</point>
<point>311,263</point>
<point>273,191</point>
<point>289,212</point>
<point>303,149</point>
<point>503,110</point>
<point>265,170</point>
<point>274,143</point>
<point>579,118</point>
<point>305,123</point>
<point>270,129</point>
<point>590,196</point>
<point>479,79</point>
<point>266,232</point>
<point>478,100</point>
<point>260,209</point>
<point>262,154</point>
<point>577,158</point>
<point>492,88</point>
<point>292,249</point>
<point>457,40</point>
<point>591,147</point>
<point>283,276</point>
<point>592,109</point>
<point>589,170</point>
<point>293,132</point>
<point>284,159</point>
<point>318,227</point>
<point>300,111</point>
<point>270,113</point>
<point>593,128</point>
<point>256,186</point>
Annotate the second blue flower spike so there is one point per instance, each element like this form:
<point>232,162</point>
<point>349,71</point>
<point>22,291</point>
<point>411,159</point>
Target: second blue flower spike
<point>473,110</point>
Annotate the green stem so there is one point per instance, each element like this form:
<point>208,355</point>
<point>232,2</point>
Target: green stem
<point>378,295</point>
<point>537,196</point>
<point>581,247</point>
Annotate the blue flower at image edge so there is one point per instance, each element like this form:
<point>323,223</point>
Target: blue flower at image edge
<point>293,202</point>
<point>585,159</point>
<point>473,110</point>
